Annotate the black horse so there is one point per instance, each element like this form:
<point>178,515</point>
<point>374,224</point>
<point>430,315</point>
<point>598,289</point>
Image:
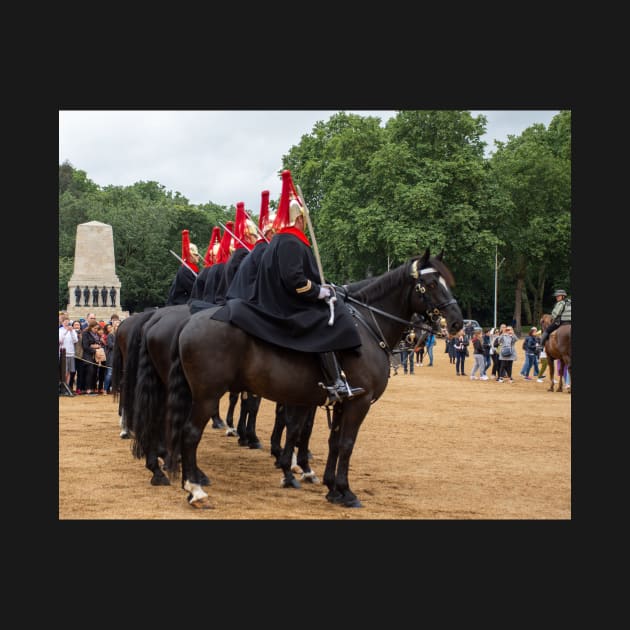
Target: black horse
<point>157,339</point>
<point>125,367</point>
<point>382,308</point>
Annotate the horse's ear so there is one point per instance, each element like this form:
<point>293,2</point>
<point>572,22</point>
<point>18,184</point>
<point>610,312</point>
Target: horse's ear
<point>440,255</point>
<point>425,257</point>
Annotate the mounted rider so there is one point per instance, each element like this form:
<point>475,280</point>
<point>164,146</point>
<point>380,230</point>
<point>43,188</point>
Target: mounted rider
<point>243,281</point>
<point>182,284</point>
<point>207,286</point>
<point>209,259</point>
<point>288,306</point>
<point>561,314</point>
<point>245,237</point>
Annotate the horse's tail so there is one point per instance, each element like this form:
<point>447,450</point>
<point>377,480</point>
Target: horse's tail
<point>178,405</point>
<point>148,403</point>
<point>117,372</point>
<point>131,368</point>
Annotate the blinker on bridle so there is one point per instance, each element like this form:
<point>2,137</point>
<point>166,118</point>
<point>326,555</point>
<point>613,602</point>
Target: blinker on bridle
<point>420,288</point>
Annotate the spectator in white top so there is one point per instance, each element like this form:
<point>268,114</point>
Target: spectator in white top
<point>67,339</point>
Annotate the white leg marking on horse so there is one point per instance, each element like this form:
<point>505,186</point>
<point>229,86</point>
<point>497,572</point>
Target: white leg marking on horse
<point>311,476</point>
<point>123,426</point>
<point>195,490</point>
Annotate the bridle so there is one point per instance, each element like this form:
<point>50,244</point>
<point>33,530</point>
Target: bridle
<point>433,311</point>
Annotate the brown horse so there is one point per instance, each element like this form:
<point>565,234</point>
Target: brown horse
<point>557,346</point>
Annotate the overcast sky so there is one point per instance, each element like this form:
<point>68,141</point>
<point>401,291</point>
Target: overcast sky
<point>214,156</point>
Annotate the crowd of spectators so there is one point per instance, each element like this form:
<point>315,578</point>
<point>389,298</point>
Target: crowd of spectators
<point>85,354</point>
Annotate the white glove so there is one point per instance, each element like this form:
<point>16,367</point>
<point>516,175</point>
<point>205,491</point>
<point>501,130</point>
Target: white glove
<point>324,292</point>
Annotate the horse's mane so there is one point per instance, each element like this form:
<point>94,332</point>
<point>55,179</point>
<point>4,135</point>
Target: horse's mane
<point>443,270</point>
<point>376,287</point>
<point>379,286</point>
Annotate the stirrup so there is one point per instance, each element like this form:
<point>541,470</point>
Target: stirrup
<point>341,391</point>
<point>333,396</point>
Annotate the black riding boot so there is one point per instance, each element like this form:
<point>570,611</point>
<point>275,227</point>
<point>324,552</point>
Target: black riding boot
<point>338,388</point>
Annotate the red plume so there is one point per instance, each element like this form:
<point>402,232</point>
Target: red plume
<point>264,211</point>
<point>239,225</point>
<point>186,247</point>
<point>282,216</point>
<point>215,238</point>
<point>224,248</point>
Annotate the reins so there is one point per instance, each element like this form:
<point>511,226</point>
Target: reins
<point>378,334</point>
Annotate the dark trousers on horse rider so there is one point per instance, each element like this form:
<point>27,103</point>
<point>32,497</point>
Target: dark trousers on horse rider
<point>337,386</point>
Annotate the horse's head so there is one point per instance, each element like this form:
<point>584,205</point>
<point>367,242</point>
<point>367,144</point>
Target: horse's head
<point>545,320</point>
<point>432,293</point>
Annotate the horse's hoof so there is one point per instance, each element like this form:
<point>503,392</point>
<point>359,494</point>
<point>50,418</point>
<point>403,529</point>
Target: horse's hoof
<point>218,425</point>
<point>290,483</point>
<point>334,497</point>
<point>242,442</point>
<point>202,504</point>
<point>231,432</point>
<point>310,478</point>
<point>255,445</point>
<point>353,503</point>
<point>124,435</point>
<point>349,501</point>
<point>162,480</point>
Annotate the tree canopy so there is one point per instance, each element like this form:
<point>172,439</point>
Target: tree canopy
<point>377,195</point>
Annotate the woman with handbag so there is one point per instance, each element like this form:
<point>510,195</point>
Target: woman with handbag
<point>90,341</point>
<point>507,354</point>
<point>461,352</point>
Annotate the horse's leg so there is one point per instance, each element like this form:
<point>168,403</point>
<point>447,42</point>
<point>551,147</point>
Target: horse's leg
<point>551,365</point>
<point>560,375</point>
<point>217,422</point>
<point>276,434</point>
<point>242,420</point>
<point>229,418</point>
<point>352,415</point>
<point>153,464</point>
<point>333,453</point>
<point>303,453</point>
<point>124,429</point>
<point>295,418</point>
<point>192,475</point>
<point>253,404</point>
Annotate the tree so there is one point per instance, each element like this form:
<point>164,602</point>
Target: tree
<point>534,172</point>
<point>377,195</point>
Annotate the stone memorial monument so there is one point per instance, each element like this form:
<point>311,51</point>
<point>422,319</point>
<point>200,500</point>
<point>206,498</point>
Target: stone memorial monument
<point>94,266</point>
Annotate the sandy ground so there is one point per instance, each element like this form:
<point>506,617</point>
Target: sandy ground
<point>435,446</point>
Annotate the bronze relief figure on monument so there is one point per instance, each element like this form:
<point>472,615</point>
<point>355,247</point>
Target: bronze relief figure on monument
<point>94,266</point>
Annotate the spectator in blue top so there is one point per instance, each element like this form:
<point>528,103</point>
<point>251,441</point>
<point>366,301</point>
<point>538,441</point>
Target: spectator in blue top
<point>429,342</point>
<point>530,346</point>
